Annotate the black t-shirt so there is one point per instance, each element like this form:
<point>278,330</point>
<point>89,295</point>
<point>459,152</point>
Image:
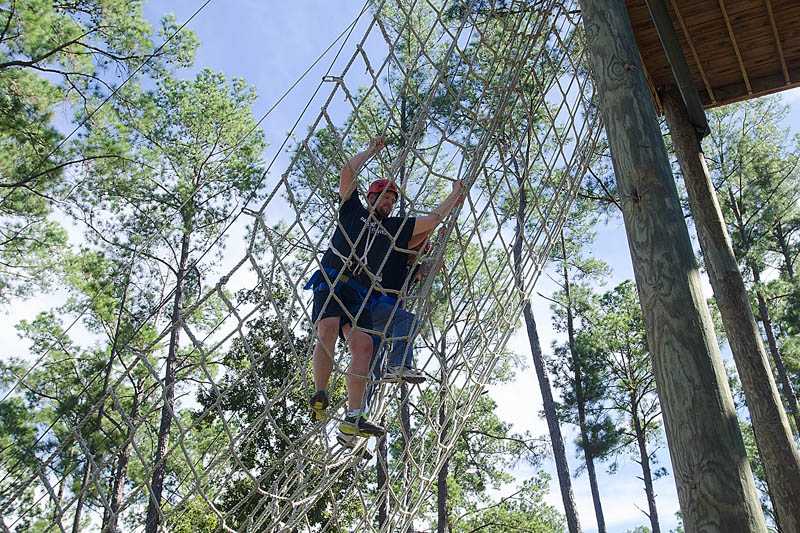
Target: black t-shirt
<point>380,234</point>
<point>395,272</point>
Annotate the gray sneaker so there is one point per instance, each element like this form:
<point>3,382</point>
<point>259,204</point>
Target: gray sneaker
<point>345,440</point>
<point>349,443</point>
<point>405,373</point>
<point>360,427</point>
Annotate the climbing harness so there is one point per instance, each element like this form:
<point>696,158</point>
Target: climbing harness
<point>339,280</point>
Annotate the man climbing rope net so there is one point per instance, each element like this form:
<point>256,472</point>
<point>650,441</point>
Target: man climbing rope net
<point>346,286</point>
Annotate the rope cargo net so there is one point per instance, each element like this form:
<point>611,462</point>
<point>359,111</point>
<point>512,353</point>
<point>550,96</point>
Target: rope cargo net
<point>496,94</point>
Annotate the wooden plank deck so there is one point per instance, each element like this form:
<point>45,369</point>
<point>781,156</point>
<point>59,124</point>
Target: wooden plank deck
<point>736,49</point>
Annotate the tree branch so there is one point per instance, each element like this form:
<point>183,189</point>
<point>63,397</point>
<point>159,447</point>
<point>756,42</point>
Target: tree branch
<point>44,56</point>
<point>8,22</point>
<point>58,167</point>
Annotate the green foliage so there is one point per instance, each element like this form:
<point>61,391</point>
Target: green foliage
<point>485,452</point>
<point>525,510</point>
<point>755,166</point>
<point>58,394</point>
<point>257,367</point>
<point>578,365</point>
<point>182,159</point>
<point>679,527</point>
<point>195,518</point>
<point>19,448</point>
<point>51,54</point>
<point>31,241</point>
<point>586,389</point>
<point>617,332</point>
<point>193,157</point>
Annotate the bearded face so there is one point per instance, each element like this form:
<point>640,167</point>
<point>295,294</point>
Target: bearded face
<point>383,204</point>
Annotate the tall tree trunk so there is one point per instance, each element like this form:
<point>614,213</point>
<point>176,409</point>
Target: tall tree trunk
<point>101,410</point>
<point>442,523</point>
<point>121,474</point>
<point>557,441</point>
<point>159,461</point>
<point>580,399</point>
<point>553,427</point>
<point>587,442</point>
<point>784,246</point>
<point>58,513</point>
<point>647,476</point>
<point>405,422</point>
<point>714,481</point>
<point>383,479</point>
<point>771,427</point>
<point>76,520</point>
<point>786,385</point>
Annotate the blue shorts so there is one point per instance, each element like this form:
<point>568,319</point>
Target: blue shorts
<point>345,303</point>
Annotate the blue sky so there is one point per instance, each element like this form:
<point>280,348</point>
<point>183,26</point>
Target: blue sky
<point>270,44</point>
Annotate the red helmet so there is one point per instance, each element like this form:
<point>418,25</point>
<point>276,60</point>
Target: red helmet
<point>378,186</point>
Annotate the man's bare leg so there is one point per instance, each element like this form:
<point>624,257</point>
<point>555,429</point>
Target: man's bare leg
<point>355,423</point>
<point>327,331</point>
<point>360,353</point>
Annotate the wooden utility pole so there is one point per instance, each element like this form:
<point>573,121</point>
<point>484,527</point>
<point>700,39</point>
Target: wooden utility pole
<point>770,423</point>
<point>712,474</point>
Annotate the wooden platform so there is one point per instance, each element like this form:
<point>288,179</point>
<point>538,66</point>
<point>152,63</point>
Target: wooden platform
<point>736,49</point>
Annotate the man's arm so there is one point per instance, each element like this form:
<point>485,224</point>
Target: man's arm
<point>425,224</point>
<point>350,169</point>
<point>417,239</point>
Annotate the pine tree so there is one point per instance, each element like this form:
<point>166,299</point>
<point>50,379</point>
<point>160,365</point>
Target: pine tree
<point>58,62</point>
